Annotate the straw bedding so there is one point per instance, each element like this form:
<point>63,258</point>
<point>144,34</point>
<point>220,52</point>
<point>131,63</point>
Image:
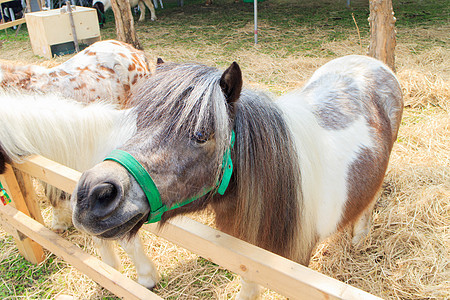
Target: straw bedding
<point>405,255</point>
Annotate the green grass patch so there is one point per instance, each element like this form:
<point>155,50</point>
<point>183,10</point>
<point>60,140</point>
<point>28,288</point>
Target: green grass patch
<point>19,278</point>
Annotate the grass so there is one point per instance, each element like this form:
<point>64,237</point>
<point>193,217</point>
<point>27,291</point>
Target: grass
<point>19,277</point>
<point>405,255</point>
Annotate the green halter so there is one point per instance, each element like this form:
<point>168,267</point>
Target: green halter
<point>157,208</point>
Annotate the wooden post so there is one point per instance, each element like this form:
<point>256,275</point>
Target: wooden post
<point>125,23</point>
<point>382,32</point>
<point>25,203</point>
<point>72,26</point>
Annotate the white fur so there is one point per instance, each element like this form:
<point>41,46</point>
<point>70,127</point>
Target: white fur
<point>66,131</point>
<point>324,162</point>
<point>78,136</point>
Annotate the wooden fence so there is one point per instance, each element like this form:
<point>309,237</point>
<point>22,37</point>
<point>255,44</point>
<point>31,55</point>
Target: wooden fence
<point>22,219</point>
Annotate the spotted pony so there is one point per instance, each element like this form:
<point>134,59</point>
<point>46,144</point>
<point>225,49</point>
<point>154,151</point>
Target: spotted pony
<point>106,70</point>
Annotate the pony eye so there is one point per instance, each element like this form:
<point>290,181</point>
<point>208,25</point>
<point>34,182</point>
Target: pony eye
<point>200,137</point>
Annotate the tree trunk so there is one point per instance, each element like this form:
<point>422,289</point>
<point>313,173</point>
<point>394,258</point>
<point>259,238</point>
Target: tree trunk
<point>382,31</point>
<point>125,23</point>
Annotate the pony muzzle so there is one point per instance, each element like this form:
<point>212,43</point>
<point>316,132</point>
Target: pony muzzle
<point>104,203</point>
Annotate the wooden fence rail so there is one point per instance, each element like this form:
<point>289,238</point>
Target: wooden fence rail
<point>272,271</point>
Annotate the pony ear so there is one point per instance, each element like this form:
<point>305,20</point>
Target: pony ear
<point>231,83</point>
<point>159,61</point>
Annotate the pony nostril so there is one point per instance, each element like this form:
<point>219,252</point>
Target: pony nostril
<point>104,199</point>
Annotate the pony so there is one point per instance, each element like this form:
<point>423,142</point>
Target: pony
<point>105,70</point>
<point>303,166</point>
<point>103,5</point>
<point>77,135</point>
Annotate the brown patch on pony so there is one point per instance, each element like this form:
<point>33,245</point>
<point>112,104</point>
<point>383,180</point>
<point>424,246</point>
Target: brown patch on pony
<point>131,67</point>
<point>365,178</point>
<point>83,69</point>
<point>107,69</point>
<point>80,86</point>
<point>135,79</point>
<point>136,58</point>
<point>63,73</point>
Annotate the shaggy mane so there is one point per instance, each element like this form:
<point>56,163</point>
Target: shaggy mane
<point>267,176</point>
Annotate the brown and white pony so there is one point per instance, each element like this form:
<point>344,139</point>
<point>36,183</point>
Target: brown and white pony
<point>306,165</point>
<point>106,70</point>
<point>79,136</point>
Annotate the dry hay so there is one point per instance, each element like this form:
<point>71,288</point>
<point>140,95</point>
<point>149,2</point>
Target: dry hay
<point>405,255</point>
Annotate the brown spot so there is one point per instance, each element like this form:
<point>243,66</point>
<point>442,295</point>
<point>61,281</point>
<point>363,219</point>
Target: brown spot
<point>91,53</point>
<point>93,90</point>
<point>52,74</point>
<point>131,67</point>
<point>63,73</point>
<point>135,79</point>
<point>110,70</point>
<point>243,268</point>
<point>135,57</point>
<point>83,69</point>
<point>81,86</point>
<point>72,79</point>
<point>123,55</point>
<point>126,87</point>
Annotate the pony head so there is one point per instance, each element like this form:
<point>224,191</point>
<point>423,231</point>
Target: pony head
<point>100,8</point>
<point>184,126</point>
